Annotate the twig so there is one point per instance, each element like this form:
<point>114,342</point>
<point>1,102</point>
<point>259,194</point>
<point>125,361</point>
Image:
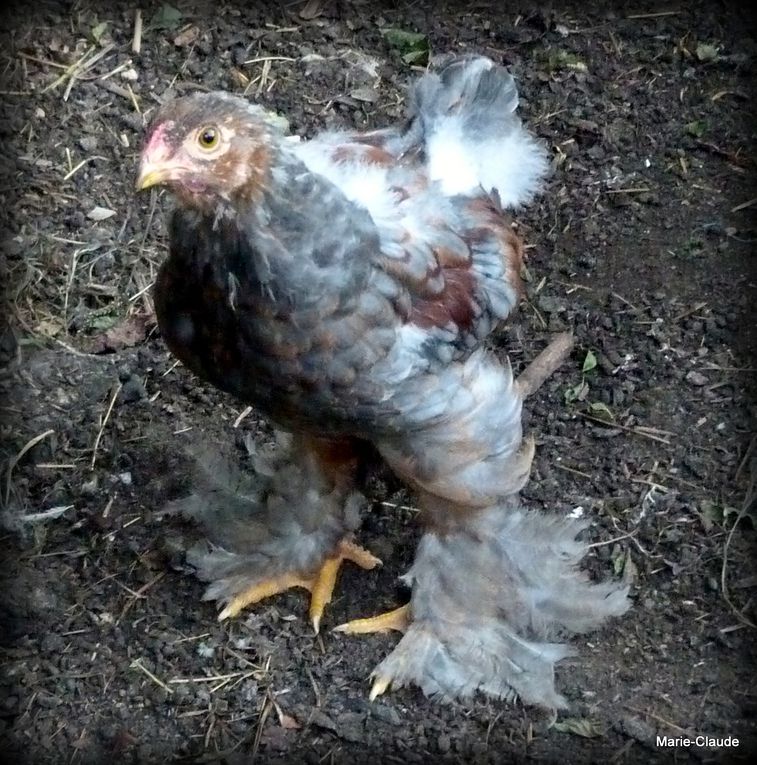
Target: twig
<point>653,15</point>
<point>12,464</point>
<point>116,391</point>
<point>658,718</point>
<point>400,507</point>
<point>626,428</point>
<point>268,58</point>
<point>688,312</point>
<point>43,61</point>
<point>136,664</point>
<point>623,300</point>
<point>614,539</point>
<point>745,458</point>
<point>136,42</point>
<point>214,678</point>
<point>636,190</point>
<point>81,164</point>
<point>242,415</point>
<point>744,205</point>
<point>751,497</point>
<point>572,470</point>
<point>316,692</point>
<point>534,375</point>
<point>137,594</point>
<point>267,706</point>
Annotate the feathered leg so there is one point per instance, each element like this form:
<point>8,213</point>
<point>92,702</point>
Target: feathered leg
<point>493,584</point>
<point>287,524</point>
<point>488,598</point>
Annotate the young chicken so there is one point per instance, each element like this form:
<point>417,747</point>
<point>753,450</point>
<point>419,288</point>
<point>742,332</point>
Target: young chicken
<point>344,286</point>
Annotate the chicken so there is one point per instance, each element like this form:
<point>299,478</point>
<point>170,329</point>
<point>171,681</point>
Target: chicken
<point>344,287</point>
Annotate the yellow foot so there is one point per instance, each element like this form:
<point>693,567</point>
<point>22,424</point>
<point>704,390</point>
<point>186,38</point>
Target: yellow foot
<point>321,584</point>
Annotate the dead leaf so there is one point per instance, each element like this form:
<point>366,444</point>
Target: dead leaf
<point>366,93</point>
<point>186,36</point>
<point>580,726</point>
<point>49,327</point>
<point>126,334</point>
<point>100,213</point>
<point>286,721</point>
<point>311,9</point>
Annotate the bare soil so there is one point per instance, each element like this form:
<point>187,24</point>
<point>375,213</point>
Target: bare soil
<point>643,244</point>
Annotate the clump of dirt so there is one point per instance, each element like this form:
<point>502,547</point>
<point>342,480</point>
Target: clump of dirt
<point>642,244</point>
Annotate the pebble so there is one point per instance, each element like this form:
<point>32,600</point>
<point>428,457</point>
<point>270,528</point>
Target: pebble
<point>88,143</point>
<point>133,390</point>
<point>697,378</point>
<point>89,488</point>
<point>386,714</point>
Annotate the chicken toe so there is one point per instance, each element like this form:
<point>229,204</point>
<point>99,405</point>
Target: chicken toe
<point>323,583</point>
<point>320,584</point>
<point>397,619</point>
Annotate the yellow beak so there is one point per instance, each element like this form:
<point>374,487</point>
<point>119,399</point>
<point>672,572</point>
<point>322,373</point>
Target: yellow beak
<point>151,175</point>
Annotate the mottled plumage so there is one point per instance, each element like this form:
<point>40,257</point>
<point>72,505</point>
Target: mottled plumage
<point>343,286</point>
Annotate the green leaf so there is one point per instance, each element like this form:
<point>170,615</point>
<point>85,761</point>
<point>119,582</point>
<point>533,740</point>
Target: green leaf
<point>98,30</point>
<point>697,128</point>
<point>166,17</point>
<point>618,559</point>
<point>103,322</point>
<point>563,59</point>
<point>577,392</point>
<point>706,52</point>
<point>589,362</point>
<point>413,47</point>
<point>715,513</point>
<point>602,411</point>
<point>580,726</point>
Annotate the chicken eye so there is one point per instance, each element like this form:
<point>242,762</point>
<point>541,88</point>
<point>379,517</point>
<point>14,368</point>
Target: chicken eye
<point>208,138</point>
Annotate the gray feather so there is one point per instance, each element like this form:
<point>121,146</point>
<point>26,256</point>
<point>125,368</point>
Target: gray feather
<point>281,516</point>
<point>488,599</point>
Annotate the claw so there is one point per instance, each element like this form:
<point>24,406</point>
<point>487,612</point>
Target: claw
<point>322,591</point>
<point>380,685</point>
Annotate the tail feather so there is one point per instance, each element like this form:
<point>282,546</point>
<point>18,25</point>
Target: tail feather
<point>464,113</point>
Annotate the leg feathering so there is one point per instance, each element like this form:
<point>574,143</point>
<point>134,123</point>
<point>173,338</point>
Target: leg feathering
<point>488,599</point>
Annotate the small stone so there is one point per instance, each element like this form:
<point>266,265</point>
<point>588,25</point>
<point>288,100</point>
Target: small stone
<point>10,703</point>
<point>88,143</point>
<point>89,488</point>
<point>697,378</point>
<point>133,389</point>
<point>125,478</point>
<point>443,743</point>
<point>386,714</point>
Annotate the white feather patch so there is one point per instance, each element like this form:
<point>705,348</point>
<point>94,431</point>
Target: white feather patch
<point>514,163</point>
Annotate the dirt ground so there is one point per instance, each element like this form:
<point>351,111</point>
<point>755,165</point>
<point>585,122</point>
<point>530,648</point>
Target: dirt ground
<point>643,243</point>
